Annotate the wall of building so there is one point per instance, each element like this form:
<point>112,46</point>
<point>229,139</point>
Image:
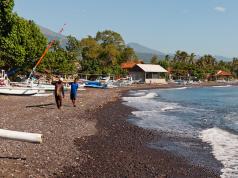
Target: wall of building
<point>138,76</point>
<point>151,81</point>
<point>157,78</point>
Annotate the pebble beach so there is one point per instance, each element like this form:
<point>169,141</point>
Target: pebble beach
<point>93,139</point>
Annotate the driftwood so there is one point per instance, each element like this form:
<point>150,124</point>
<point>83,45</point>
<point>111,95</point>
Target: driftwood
<point>21,136</point>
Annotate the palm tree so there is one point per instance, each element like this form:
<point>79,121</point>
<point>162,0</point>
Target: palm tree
<point>192,58</point>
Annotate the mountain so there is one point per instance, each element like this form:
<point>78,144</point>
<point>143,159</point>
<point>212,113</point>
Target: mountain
<point>50,35</point>
<point>143,49</point>
<point>219,58</point>
<point>144,52</point>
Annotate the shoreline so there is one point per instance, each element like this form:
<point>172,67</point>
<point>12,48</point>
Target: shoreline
<point>120,149</point>
<point>92,140</point>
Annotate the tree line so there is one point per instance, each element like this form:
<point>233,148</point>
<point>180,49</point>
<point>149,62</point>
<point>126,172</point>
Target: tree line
<point>183,64</point>
<point>22,44</point>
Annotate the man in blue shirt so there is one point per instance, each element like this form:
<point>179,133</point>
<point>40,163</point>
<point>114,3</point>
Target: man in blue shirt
<point>73,91</point>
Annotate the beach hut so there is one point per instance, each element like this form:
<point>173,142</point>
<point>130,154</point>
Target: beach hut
<point>219,76</point>
<point>148,73</point>
<point>223,75</point>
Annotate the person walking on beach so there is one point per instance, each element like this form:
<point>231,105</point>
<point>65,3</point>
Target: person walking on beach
<point>59,93</point>
<point>73,91</point>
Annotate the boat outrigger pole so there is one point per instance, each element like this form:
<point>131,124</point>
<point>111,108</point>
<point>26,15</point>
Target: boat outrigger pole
<point>21,136</point>
<point>45,52</point>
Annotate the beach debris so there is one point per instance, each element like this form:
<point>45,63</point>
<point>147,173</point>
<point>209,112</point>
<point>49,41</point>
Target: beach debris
<point>21,136</point>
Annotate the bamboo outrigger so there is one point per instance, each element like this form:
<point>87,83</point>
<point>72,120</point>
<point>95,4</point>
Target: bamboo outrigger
<point>21,136</point>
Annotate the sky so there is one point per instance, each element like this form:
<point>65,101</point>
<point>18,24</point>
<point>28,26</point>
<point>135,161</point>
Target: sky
<point>199,26</point>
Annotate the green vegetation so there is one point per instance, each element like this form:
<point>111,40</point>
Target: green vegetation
<point>104,53</point>
<point>22,44</point>
<point>183,64</point>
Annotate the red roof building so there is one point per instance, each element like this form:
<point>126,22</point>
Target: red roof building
<point>223,73</point>
<point>220,75</point>
<point>129,64</point>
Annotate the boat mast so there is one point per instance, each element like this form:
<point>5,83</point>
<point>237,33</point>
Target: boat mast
<point>45,52</point>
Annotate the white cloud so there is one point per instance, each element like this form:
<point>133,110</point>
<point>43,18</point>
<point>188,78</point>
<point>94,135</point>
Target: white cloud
<point>220,9</point>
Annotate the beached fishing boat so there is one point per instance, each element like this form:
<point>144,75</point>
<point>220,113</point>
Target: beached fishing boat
<point>102,82</point>
<point>15,88</point>
<point>3,79</point>
<point>21,91</point>
<point>95,84</point>
<point>44,86</point>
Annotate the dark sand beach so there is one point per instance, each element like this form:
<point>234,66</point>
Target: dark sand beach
<point>92,140</point>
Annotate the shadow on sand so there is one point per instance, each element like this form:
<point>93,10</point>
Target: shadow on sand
<point>11,157</point>
<point>41,106</point>
<point>45,106</point>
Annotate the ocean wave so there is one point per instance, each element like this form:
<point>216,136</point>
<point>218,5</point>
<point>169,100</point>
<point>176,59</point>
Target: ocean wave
<point>180,88</point>
<point>224,146</point>
<point>150,95</point>
<point>222,86</point>
<point>139,95</point>
<point>157,121</point>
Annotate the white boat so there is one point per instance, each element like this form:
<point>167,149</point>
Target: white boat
<point>33,84</point>
<point>20,91</point>
<point>3,79</point>
<point>44,86</point>
<point>11,88</point>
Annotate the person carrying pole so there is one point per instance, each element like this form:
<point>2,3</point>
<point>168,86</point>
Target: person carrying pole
<point>59,93</point>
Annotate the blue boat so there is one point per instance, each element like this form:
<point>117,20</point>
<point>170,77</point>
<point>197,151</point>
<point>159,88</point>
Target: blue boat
<point>95,84</point>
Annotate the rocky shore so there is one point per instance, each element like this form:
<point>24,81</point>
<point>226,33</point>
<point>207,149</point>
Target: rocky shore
<point>59,129</point>
<point>92,140</point>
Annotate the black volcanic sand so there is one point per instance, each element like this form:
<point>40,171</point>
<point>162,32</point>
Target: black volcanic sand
<point>93,139</point>
<point>119,149</point>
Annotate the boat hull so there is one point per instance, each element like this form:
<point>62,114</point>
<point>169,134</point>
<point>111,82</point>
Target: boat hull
<point>19,91</point>
<point>95,84</point>
<point>46,87</point>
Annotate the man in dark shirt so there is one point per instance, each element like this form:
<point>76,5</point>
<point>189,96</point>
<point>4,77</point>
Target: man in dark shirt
<point>59,93</point>
<point>73,91</point>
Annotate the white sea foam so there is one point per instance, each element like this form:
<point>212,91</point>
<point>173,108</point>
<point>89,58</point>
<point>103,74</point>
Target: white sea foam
<point>136,97</point>
<point>138,94</point>
<point>180,88</point>
<point>186,120</point>
<point>167,108</point>
<point>150,95</point>
<point>157,121</point>
<point>225,149</point>
<point>223,86</point>
<point>147,103</point>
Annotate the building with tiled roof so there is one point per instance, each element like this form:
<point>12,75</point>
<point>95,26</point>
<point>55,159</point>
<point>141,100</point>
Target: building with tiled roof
<point>220,75</point>
<point>130,64</point>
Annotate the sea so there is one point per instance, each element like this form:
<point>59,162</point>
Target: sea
<point>199,124</point>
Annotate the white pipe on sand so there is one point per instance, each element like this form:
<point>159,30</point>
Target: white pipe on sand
<point>21,136</point>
